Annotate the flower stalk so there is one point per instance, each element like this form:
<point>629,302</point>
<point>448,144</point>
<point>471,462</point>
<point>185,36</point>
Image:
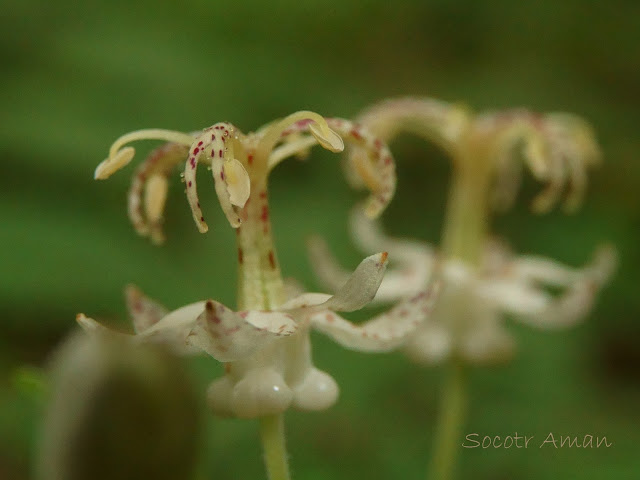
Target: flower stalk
<point>449,427</point>
<point>465,233</point>
<point>274,447</point>
<point>467,222</point>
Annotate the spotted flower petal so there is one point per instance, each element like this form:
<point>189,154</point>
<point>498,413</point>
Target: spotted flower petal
<point>582,287</point>
<point>371,164</point>
<point>384,332</point>
<point>413,261</point>
<point>144,312</point>
<point>357,291</point>
<point>229,336</point>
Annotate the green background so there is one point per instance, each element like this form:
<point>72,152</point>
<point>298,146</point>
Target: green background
<point>76,75</point>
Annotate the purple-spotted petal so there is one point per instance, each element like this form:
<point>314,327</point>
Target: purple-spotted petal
<point>384,332</point>
<point>357,290</point>
<point>370,164</point>
<point>360,287</point>
<point>577,301</point>
<point>229,336</point>
<point>144,312</point>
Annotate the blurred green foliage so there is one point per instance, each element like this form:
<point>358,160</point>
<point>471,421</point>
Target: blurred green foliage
<point>75,75</point>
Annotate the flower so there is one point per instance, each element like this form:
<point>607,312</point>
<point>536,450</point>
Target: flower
<point>265,343</point>
<point>115,410</point>
<point>556,147</point>
<point>481,279</point>
<point>270,365</point>
<point>237,161</point>
<point>467,321</point>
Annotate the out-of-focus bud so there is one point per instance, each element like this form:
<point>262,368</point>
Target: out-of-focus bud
<point>118,411</point>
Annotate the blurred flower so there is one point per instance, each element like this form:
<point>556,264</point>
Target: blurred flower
<point>266,341</point>
<point>467,320</point>
<point>557,148</point>
<point>118,411</point>
<point>481,279</point>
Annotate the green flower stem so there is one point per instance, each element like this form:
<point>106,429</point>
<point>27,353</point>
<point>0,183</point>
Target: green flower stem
<point>464,239</point>
<point>273,445</point>
<point>467,219</point>
<point>450,421</point>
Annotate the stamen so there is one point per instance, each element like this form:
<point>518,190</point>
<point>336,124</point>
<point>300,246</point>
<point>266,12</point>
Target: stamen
<point>536,155</point>
<point>557,176</point>
<point>238,182</point>
<point>109,166</point>
<point>372,162</point>
<point>294,123</point>
<point>154,202</point>
<point>120,157</point>
<point>158,164</point>
<point>433,120</point>
<point>326,137</point>
<point>297,147</point>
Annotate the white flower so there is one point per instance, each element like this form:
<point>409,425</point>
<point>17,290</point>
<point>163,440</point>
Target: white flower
<point>556,147</point>
<point>468,320</point>
<point>269,351</point>
<point>240,163</point>
<point>481,282</point>
<point>265,344</point>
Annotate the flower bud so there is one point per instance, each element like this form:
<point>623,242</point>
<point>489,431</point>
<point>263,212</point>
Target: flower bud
<point>118,410</point>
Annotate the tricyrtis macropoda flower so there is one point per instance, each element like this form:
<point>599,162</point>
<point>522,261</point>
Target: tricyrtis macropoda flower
<point>557,148</point>
<point>482,280</point>
<point>468,319</point>
<point>266,341</point>
<point>268,352</point>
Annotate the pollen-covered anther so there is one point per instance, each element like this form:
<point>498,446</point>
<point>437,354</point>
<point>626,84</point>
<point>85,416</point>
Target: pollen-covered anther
<point>110,165</point>
<point>326,137</point>
<point>238,182</point>
<point>154,203</point>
